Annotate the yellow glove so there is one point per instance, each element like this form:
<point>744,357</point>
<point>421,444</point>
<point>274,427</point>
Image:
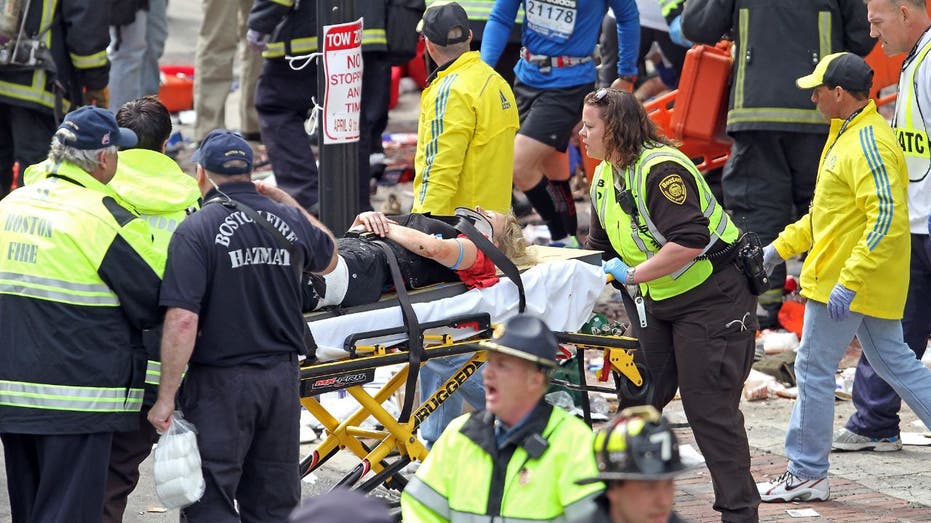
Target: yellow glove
<point>99,97</point>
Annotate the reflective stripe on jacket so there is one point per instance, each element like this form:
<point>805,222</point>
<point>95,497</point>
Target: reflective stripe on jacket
<point>77,36</point>
<point>775,43</point>
<point>517,488</point>
<point>79,280</point>
<point>465,140</point>
<point>911,128</point>
<point>292,26</point>
<point>856,232</point>
<point>636,242</point>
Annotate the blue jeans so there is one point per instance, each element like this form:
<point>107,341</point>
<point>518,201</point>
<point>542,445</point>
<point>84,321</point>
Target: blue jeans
<point>808,440</point>
<point>877,414</point>
<point>156,32</point>
<point>432,375</point>
<point>126,52</point>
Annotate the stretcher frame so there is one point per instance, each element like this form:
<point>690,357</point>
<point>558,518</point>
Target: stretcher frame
<point>396,443</point>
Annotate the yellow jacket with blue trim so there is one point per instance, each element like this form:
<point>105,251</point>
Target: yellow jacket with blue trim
<point>77,35</point>
<point>465,139</point>
<point>856,232</point>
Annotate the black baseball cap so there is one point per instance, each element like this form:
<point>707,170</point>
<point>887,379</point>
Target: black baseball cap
<point>845,70</point>
<point>95,128</point>
<point>440,18</point>
<point>341,505</point>
<point>219,147</point>
<point>526,337</point>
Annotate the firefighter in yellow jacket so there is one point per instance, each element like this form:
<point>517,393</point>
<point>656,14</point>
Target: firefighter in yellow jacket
<point>80,282</point>
<point>520,458</point>
<point>857,238</point>
<point>52,56</point>
<point>468,119</point>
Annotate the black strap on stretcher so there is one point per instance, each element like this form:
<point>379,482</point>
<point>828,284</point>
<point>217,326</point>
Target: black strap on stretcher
<point>496,256</point>
<point>414,332</point>
<point>310,345</point>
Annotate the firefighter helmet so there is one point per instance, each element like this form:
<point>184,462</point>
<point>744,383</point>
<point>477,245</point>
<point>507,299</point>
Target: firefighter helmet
<point>636,444</point>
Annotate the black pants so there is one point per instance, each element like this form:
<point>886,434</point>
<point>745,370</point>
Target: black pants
<point>373,118</point>
<point>25,135</point>
<point>702,342</point>
<point>56,478</point>
<point>282,100</point>
<point>247,421</point>
<point>127,451</point>
<point>768,182</point>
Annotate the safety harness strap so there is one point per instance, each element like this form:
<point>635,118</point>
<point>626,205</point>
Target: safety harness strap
<point>414,333</point>
<point>496,256</point>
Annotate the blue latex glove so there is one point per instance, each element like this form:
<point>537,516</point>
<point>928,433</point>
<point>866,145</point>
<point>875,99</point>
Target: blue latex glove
<point>771,259</point>
<point>839,302</point>
<point>617,268</point>
<point>675,33</point>
<point>256,40</point>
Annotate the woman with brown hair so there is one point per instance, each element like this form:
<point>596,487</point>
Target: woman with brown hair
<point>665,236</point>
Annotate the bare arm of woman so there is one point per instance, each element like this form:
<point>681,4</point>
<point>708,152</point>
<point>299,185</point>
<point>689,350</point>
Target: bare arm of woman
<point>457,253</point>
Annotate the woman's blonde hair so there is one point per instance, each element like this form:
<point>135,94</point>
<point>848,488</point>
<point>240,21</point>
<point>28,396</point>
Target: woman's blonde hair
<point>511,241</point>
<point>628,128</point>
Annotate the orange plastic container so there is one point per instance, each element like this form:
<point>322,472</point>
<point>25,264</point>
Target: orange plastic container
<point>701,102</point>
<point>177,89</point>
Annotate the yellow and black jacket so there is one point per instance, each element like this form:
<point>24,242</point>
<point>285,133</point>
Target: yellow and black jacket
<point>79,281</point>
<point>77,34</point>
<point>468,477</point>
<point>776,42</point>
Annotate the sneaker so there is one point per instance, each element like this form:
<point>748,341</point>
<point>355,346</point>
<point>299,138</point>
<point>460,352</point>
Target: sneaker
<point>569,242</point>
<point>851,441</point>
<point>789,487</point>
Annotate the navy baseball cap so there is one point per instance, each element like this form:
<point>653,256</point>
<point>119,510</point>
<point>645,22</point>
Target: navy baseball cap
<point>219,147</point>
<point>845,70</point>
<point>341,505</point>
<point>440,18</point>
<point>95,128</point>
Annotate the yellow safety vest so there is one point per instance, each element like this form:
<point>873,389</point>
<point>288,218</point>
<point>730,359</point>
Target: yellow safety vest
<point>636,242</point>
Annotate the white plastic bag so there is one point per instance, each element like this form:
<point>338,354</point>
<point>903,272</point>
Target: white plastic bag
<point>179,480</point>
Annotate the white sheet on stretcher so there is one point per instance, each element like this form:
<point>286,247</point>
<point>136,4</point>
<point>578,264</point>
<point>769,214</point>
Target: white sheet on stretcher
<point>563,293</point>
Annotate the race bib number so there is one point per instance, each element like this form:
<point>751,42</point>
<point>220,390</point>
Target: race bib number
<point>552,18</point>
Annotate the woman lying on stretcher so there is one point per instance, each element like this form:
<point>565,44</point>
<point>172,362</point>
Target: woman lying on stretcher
<point>428,251</point>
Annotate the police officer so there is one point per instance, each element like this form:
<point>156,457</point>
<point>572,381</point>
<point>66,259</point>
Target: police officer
<point>638,459</point>
<point>80,282</point>
<point>61,59</point>
<point>663,232</point>
<point>555,72</point>
<point>234,312</point>
<point>519,456</point>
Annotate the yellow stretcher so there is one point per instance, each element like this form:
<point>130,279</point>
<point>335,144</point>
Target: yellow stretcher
<point>386,450</point>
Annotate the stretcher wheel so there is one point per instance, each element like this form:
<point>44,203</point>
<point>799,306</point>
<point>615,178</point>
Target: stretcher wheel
<point>627,390</point>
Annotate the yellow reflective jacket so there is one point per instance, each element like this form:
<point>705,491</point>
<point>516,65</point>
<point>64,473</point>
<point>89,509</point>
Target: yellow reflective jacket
<point>79,281</point>
<point>856,232</point>
<point>465,139</point>
<point>467,478</point>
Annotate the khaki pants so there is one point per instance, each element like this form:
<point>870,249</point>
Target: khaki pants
<point>224,27</point>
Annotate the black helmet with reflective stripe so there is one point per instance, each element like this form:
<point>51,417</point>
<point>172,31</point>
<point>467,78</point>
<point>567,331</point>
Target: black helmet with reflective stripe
<point>636,444</point>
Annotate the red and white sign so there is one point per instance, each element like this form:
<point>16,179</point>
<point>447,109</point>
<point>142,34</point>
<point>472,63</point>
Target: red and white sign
<point>342,65</point>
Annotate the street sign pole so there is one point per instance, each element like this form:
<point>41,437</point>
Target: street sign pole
<point>339,157</point>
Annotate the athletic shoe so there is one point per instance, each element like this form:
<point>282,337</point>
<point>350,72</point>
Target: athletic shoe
<point>569,242</point>
<point>789,487</point>
<point>851,441</point>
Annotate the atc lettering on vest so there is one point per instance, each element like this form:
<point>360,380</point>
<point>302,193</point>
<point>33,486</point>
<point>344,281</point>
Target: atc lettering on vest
<point>913,142</point>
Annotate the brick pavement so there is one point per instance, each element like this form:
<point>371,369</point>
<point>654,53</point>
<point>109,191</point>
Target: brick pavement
<point>850,502</point>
